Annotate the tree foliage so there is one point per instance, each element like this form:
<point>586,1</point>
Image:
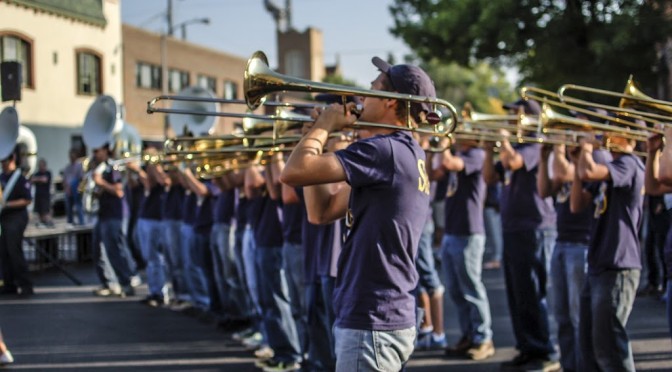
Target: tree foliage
<point>553,42</point>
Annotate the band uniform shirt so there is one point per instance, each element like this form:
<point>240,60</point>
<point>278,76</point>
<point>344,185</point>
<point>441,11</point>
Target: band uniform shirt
<point>173,202</point>
<point>576,227</point>
<point>242,211</point>
<point>521,207</point>
<point>267,226</point>
<point>204,216</point>
<point>386,215</point>
<point>224,209</point>
<point>310,243</point>
<point>465,196</point>
<point>150,209</point>
<point>189,208</point>
<point>292,218</point>
<point>110,206</point>
<point>618,208</point>
<point>21,190</point>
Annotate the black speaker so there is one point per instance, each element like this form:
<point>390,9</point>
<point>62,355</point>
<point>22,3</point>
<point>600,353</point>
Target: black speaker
<point>10,80</point>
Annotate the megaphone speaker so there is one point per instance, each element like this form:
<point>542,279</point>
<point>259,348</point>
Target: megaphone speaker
<point>10,78</point>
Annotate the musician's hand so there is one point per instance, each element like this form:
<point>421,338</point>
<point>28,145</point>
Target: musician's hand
<point>546,150</point>
<point>668,133</point>
<point>654,143</point>
<point>335,117</point>
<point>574,153</point>
<point>587,143</point>
<point>306,127</point>
<point>133,166</point>
<point>489,146</point>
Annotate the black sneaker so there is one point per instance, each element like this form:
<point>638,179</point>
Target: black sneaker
<point>516,363</point>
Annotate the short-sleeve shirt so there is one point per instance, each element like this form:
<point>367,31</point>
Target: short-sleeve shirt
<point>111,206</point>
<point>203,221</point>
<point>465,195</point>
<point>521,206</point>
<point>618,209</point>
<point>189,203</point>
<point>173,203</point>
<point>225,207</point>
<point>576,227</point>
<point>21,190</point>
<point>42,189</point>
<point>386,215</point>
<point>292,220</point>
<point>151,205</point>
<point>265,215</point>
<point>242,210</point>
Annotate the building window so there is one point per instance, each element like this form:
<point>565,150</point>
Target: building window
<point>207,82</point>
<point>16,48</point>
<point>177,80</point>
<point>230,90</point>
<point>89,78</point>
<point>147,76</point>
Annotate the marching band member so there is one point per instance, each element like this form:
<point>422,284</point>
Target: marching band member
<point>172,202</point>
<point>109,242</point>
<point>463,247</point>
<point>569,256</point>
<point>616,189</point>
<point>14,200</point>
<point>385,208</point>
<point>528,225</point>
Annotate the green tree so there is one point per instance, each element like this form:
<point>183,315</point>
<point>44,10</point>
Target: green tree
<point>483,85</point>
<point>596,42</point>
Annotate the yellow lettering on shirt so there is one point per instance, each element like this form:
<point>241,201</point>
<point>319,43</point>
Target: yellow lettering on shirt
<point>423,180</point>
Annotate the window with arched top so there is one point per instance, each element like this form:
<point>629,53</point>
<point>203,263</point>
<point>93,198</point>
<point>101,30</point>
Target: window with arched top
<point>16,47</point>
<point>89,72</point>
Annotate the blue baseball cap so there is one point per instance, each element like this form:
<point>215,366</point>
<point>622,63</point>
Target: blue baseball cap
<point>408,79</point>
<point>530,106</point>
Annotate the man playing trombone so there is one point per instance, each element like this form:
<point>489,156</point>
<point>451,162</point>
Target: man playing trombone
<point>385,209</point>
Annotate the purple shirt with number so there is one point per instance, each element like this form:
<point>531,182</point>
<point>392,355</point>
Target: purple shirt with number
<point>386,215</point>
<point>465,195</point>
<point>618,209</point>
<point>520,204</point>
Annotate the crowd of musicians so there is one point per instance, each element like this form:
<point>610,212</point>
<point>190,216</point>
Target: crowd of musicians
<point>321,258</point>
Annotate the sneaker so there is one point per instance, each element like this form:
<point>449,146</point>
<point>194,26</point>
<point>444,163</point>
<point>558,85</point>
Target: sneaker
<point>254,341</point>
<point>129,291</point>
<point>136,281</point>
<point>430,342</point>
<point>492,265</point>
<point>106,292</point>
<point>6,358</point>
<point>264,353</point>
<point>515,363</point>
<point>272,365</point>
<point>541,365</point>
<point>245,333</point>
<point>180,305</point>
<point>460,348</point>
<point>482,351</point>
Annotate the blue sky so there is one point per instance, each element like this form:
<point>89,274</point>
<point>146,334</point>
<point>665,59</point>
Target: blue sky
<point>354,29</point>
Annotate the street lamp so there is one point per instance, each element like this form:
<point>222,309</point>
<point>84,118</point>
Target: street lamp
<point>183,25</point>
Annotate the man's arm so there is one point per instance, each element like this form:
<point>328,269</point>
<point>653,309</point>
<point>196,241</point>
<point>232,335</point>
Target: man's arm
<point>326,203</point>
<point>253,183</point>
<point>193,184</point>
<point>510,158</point>
<point>588,169</point>
<point>490,175</point>
<point>665,171</point>
<point>652,184</point>
<point>579,199</point>
<point>116,188</point>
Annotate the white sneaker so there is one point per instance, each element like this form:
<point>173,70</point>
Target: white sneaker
<point>136,281</point>
<point>6,358</point>
<point>253,341</point>
<point>264,353</point>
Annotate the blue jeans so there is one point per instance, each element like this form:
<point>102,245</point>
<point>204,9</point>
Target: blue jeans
<point>527,256</point>
<point>249,257</point>
<point>219,251</point>
<point>113,261</point>
<point>365,350</point>
<point>493,233</point>
<point>669,305</point>
<point>172,242</point>
<point>428,278</point>
<point>462,260</point>
<point>74,201</point>
<point>199,271</point>
<point>568,272</point>
<point>606,302</point>
<point>276,310</point>
<point>150,234</point>
<point>292,265</point>
<point>320,348</point>
<point>246,307</point>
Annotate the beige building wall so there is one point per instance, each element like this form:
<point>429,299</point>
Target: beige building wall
<point>54,100</point>
<point>144,46</point>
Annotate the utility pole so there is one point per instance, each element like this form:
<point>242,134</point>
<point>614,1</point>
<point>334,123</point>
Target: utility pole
<point>169,17</point>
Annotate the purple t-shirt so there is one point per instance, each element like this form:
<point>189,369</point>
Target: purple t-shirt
<point>21,190</point>
<point>267,222</point>
<point>189,208</point>
<point>618,209</point>
<point>386,215</point>
<point>465,195</point>
<point>173,203</point>
<point>225,207</point>
<point>110,206</point>
<point>293,215</point>
<point>521,206</point>
<point>576,227</point>
<point>203,221</point>
<point>151,206</point>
